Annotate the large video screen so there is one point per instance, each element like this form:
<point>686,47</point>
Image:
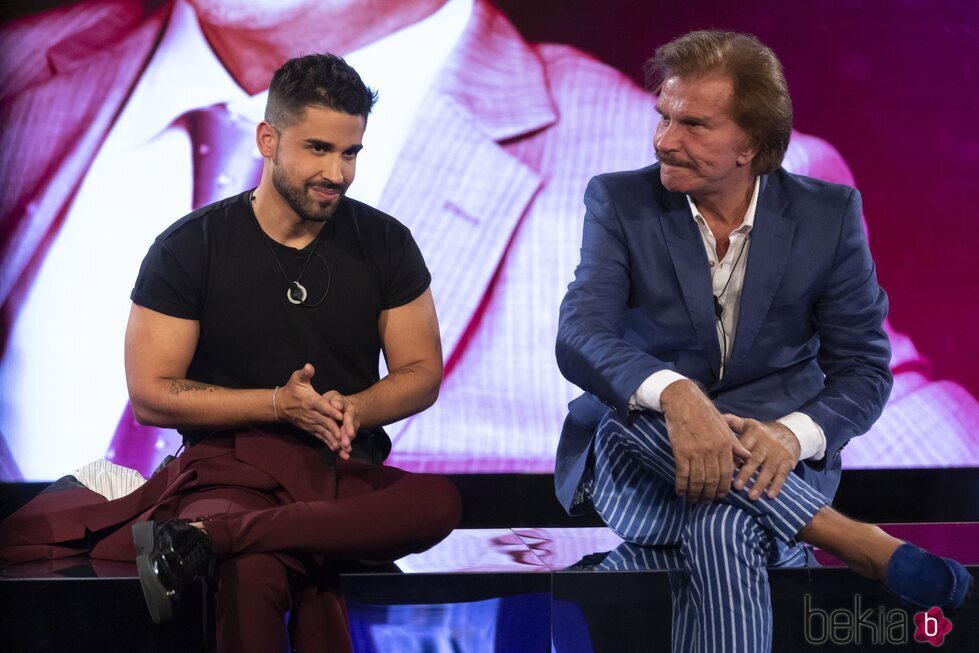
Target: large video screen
<point>492,118</point>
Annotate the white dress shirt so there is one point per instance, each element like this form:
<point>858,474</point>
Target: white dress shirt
<point>69,332</point>
<point>727,277</point>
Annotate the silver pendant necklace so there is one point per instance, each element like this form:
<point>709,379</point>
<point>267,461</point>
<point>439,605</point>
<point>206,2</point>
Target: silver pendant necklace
<point>296,292</point>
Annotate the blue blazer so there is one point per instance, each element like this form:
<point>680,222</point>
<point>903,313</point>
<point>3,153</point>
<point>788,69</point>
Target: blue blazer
<point>809,338</point>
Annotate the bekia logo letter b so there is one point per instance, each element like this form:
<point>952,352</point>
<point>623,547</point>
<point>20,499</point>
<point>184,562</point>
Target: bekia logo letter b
<point>931,626</point>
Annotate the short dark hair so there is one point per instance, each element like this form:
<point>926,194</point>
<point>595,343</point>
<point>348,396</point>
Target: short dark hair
<point>317,80</point>
<point>761,105</point>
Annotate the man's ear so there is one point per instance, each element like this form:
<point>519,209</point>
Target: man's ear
<point>747,154</point>
<point>266,137</point>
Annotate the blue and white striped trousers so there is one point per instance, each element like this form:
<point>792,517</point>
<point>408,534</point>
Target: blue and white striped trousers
<point>723,603</point>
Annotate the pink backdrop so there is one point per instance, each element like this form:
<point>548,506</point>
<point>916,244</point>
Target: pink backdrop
<point>892,85</point>
<point>889,84</point>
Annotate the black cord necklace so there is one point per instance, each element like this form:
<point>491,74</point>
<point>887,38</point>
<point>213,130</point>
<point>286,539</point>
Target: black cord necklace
<point>727,283</point>
<point>296,292</point>
<point>718,308</point>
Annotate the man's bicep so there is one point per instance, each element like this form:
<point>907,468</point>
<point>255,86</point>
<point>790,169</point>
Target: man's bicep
<point>158,346</point>
<point>590,349</point>
<point>410,334</point>
<point>851,309</point>
<point>853,347</point>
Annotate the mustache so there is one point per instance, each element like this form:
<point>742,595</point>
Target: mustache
<point>671,159</point>
<point>340,188</point>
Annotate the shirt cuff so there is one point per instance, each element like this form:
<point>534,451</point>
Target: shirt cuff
<point>647,395</point>
<point>812,440</point>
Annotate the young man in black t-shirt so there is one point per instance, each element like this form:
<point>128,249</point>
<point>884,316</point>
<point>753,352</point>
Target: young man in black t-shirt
<point>256,328</point>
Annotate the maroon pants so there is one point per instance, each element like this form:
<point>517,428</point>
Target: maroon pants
<point>377,514</point>
<point>279,519</point>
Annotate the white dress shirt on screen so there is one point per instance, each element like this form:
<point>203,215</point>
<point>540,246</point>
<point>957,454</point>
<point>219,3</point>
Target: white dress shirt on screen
<point>66,337</point>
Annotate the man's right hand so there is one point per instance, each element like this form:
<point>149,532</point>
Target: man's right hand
<point>703,444</point>
<point>299,403</point>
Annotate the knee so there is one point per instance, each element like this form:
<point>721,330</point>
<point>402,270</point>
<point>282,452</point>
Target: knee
<point>430,501</point>
<point>442,503</point>
<point>257,578</point>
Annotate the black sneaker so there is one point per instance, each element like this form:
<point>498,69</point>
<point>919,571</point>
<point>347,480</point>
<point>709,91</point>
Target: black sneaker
<point>170,556</point>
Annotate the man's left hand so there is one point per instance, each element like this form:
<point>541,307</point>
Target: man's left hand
<point>350,424</point>
<point>774,453</point>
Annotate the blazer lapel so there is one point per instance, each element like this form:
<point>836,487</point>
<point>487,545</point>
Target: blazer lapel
<point>686,248</point>
<point>55,128</point>
<point>455,185</point>
<point>771,239</point>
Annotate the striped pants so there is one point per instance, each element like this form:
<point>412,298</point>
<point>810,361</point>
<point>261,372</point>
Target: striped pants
<point>721,601</point>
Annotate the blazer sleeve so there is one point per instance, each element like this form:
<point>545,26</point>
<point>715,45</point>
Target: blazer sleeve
<point>854,351</point>
<point>591,350</point>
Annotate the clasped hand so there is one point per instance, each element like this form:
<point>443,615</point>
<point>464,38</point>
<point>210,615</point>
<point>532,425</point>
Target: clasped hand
<point>774,453</point>
<point>332,417</point>
<point>708,446</point>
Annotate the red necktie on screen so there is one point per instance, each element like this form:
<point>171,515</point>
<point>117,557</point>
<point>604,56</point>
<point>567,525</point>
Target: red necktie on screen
<point>225,162</point>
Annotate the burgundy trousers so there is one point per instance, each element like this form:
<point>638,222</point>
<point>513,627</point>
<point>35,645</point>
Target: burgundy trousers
<point>279,517</point>
<point>377,514</point>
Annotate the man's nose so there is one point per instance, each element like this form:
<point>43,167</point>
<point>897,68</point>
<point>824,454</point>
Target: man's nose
<point>666,137</point>
<point>332,170</point>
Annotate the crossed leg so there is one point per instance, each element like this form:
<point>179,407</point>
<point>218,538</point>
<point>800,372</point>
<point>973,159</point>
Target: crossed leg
<point>727,545</point>
<point>378,513</point>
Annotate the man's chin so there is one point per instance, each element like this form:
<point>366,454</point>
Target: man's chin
<point>251,14</point>
<point>674,179</point>
<point>320,211</point>
<point>318,216</point>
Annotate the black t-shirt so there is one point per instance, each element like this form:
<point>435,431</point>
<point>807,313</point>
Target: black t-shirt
<point>215,266</point>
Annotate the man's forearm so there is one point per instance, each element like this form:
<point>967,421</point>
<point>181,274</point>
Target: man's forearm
<point>182,403</point>
<point>403,392</point>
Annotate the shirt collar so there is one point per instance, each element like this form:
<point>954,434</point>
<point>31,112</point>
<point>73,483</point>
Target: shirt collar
<point>386,65</point>
<point>747,223</point>
<point>184,74</point>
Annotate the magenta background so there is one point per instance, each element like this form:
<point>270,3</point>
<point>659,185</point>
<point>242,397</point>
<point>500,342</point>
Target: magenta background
<point>889,83</point>
<point>892,84</point>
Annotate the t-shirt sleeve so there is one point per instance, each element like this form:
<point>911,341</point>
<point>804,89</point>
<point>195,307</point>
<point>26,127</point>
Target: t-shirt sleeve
<point>171,276</point>
<point>407,275</point>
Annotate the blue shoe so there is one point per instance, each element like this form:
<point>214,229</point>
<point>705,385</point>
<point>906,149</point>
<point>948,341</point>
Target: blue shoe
<point>924,580</point>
